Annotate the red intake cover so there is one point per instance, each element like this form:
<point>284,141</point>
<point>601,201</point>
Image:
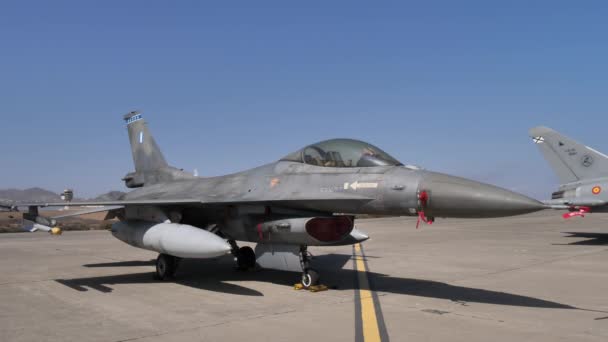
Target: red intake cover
<point>329,229</point>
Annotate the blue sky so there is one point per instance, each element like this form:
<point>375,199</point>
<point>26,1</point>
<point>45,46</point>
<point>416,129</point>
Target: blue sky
<point>452,86</point>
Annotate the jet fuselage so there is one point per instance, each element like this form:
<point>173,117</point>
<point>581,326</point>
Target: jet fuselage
<point>314,190</point>
<point>582,193</point>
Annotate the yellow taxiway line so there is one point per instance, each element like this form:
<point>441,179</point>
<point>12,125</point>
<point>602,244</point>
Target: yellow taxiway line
<point>370,325</point>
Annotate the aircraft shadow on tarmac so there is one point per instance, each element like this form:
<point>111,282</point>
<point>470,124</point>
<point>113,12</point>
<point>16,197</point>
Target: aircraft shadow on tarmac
<point>593,239</point>
<point>218,275</point>
<point>133,263</point>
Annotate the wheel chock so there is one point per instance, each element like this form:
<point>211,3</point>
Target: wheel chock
<point>313,288</point>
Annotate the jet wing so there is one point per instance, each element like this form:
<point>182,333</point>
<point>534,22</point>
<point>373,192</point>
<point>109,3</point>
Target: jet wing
<point>33,221</point>
<point>112,205</point>
<point>89,211</point>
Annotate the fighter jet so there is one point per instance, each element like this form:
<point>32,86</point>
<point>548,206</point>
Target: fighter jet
<point>581,170</point>
<point>308,198</point>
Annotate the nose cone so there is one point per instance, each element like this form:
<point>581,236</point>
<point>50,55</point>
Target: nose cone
<point>451,196</point>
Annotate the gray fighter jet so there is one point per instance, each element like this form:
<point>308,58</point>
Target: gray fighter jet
<point>307,198</point>
<point>581,170</point>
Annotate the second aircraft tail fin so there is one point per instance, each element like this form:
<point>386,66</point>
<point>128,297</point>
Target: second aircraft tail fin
<point>569,159</point>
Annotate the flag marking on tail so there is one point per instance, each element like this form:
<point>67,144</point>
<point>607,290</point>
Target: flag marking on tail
<point>134,118</point>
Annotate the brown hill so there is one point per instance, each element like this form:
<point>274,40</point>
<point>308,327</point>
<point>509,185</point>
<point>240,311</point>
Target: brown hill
<point>29,195</point>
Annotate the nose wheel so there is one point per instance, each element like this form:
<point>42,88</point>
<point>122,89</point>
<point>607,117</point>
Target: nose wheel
<point>166,266</point>
<point>310,277</point>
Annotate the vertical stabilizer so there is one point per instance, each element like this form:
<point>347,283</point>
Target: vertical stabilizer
<point>146,154</point>
<point>569,159</point>
<point>150,164</point>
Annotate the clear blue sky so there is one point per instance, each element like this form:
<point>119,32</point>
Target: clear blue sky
<point>450,85</point>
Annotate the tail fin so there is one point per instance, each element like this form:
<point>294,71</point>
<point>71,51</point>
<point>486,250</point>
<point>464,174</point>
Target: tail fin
<point>150,164</point>
<point>146,154</point>
<point>571,160</point>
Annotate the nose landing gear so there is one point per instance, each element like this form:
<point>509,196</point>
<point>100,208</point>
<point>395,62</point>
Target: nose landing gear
<point>310,277</point>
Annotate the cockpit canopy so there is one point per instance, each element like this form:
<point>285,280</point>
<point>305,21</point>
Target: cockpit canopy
<point>342,153</point>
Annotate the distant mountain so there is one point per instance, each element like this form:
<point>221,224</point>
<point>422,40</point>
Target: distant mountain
<point>29,195</point>
<point>42,195</point>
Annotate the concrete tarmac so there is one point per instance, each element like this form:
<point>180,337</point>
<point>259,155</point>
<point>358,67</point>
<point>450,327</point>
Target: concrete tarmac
<point>520,278</point>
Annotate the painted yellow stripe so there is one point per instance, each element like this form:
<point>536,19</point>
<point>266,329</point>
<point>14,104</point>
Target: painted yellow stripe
<point>371,332</point>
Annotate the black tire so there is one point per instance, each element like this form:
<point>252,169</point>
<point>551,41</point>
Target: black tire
<point>166,265</point>
<point>246,258</point>
<point>310,278</point>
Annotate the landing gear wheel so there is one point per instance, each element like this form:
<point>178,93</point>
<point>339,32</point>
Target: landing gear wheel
<point>245,258</point>
<point>310,278</point>
<point>166,265</point>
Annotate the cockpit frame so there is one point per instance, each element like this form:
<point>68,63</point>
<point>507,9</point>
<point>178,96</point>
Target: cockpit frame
<point>342,153</point>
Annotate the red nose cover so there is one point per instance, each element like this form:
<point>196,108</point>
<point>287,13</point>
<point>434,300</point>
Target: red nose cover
<point>329,229</point>
<point>581,212</point>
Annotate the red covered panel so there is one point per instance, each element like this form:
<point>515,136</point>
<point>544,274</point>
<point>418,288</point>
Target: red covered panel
<point>329,229</point>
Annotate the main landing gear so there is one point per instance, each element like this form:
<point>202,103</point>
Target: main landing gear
<point>166,266</point>
<point>244,256</point>
<point>310,277</point>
